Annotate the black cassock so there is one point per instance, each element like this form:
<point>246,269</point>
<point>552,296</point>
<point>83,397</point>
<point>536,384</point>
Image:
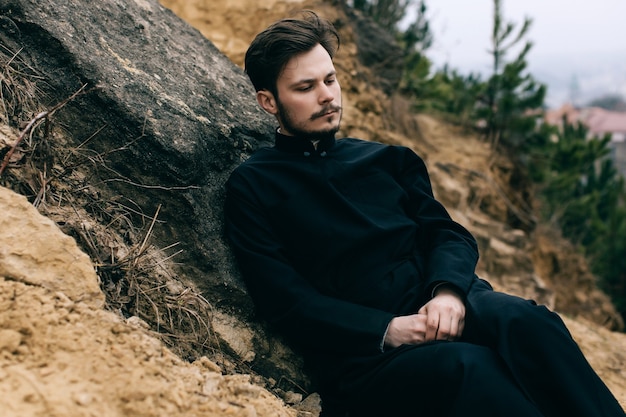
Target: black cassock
<point>335,240</point>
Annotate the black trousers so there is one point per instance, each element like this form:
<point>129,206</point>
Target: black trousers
<point>515,359</point>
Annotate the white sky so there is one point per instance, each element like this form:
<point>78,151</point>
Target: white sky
<point>578,40</point>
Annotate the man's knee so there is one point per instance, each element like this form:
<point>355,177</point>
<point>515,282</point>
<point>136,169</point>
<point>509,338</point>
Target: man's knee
<point>509,323</point>
<point>459,365</point>
<point>470,360</point>
<point>491,309</point>
<point>438,374</point>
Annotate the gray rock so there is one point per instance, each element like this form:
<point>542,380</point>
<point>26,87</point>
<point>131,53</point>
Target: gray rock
<point>184,113</point>
<point>173,117</point>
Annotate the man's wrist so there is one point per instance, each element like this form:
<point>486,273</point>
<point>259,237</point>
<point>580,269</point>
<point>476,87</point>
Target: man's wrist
<point>383,342</point>
<point>444,285</point>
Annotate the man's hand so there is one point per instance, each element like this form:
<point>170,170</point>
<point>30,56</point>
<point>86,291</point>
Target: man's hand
<point>406,330</point>
<point>445,315</point>
<point>442,318</point>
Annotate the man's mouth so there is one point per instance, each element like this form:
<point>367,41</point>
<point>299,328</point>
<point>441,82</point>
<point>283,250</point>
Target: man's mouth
<point>326,112</point>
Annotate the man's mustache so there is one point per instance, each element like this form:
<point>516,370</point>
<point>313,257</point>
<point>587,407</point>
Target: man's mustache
<point>325,111</point>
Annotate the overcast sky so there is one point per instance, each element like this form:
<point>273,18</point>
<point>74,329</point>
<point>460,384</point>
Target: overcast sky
<point>575,41</point>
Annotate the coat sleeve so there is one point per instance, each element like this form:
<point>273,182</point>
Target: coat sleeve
<point>285,298</point>
<point>450,251</point>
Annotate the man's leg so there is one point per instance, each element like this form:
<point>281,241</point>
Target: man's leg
<point>451,379</point>
<point>540,353</point>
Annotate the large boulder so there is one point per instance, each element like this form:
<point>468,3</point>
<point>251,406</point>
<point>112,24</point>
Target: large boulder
<point>164,117</point>
<point>156,88</point>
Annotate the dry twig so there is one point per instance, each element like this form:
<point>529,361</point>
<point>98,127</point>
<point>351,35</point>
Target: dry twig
<point>42,115</point>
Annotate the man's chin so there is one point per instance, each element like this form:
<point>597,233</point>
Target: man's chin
<point>313,133</point>
<point>326,133</point>
<point>330,129</point>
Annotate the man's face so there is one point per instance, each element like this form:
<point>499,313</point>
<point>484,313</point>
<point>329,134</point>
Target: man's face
<point>309,96</point>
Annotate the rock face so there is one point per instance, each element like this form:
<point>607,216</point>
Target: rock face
<point>165,117</point>
<point>180,114</point>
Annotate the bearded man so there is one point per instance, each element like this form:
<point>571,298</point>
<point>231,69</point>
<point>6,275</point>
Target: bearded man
<point>346,252</point>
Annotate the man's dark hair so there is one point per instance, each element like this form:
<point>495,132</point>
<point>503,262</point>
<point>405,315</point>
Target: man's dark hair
<point>270,51</point>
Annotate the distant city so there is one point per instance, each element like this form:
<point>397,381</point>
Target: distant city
<point>579,80</point>
<point>599,122</point>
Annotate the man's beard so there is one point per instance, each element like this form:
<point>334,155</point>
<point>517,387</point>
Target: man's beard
<point>286,121</point>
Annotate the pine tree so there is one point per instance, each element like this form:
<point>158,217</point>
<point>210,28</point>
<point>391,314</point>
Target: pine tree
<point>510,92</point>
<point>387,13</point>
<point>415,40</point>
<point>584,194</point>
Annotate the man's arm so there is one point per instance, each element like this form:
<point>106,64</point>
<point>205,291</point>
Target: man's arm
<point>451,254</point>
<point>450,251</point>
<point>286,299</point>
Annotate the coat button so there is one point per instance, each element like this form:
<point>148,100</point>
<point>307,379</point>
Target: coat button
<point>307,154</point>
<point>323,154</point>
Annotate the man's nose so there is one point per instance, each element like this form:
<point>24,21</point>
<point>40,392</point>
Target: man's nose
<point>326,94</point>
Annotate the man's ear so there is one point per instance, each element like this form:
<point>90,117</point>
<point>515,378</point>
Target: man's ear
<point>267,101</point>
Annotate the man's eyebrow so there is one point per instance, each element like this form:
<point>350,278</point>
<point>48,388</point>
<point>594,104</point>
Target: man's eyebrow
<point>312,80</point>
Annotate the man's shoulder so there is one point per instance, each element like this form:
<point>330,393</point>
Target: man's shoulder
<point>260,155</point>
<point>356,142</point>
<point>249,166</point>
<point>356,145</point>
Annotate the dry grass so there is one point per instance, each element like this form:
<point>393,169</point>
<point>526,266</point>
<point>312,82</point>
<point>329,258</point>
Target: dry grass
<point>19,90</point>
<point>37,161</point>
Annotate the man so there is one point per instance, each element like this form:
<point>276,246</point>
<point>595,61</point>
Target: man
<point>346,252</point>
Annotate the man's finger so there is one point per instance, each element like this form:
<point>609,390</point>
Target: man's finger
<point>432,326</point>
<point>454,328</point>
<point>461,328</point>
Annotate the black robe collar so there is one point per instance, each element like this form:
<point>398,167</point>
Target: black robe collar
<point>297,144</point>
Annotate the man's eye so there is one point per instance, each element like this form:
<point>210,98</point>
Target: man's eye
<point>330,81</point>
<point>304,88</point>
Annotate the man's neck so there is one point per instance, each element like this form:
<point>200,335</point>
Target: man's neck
<point>313,141</point>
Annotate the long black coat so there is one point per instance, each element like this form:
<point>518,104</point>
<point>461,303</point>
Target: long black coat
<point>334,242</point>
